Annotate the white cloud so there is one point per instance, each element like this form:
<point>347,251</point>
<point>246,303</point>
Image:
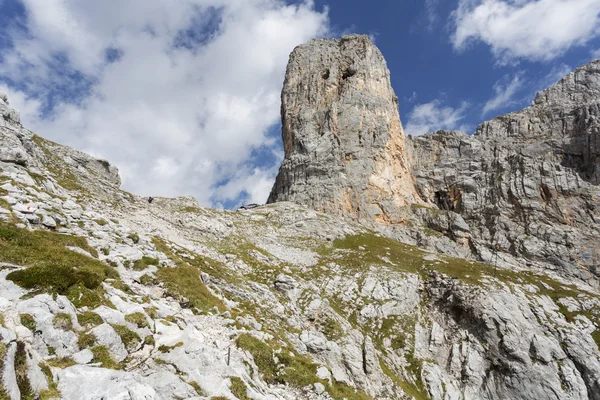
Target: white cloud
<point>530,29</point>
<point>433,116</point>
<point>176,119</point>
<point>595,53</point>
<point>504,94</point>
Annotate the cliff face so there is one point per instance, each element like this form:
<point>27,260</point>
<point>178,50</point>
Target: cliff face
<point>528,181</point>
<point>343,140</point>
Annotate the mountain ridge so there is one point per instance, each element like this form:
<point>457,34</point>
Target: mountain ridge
<point>105,295</point>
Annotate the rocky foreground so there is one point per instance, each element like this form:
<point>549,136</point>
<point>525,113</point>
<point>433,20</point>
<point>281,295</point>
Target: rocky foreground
<point>106,296</point>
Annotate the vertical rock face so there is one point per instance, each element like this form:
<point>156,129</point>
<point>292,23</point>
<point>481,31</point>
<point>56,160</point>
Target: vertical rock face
<point>528,181</point>
<point>343,140</point>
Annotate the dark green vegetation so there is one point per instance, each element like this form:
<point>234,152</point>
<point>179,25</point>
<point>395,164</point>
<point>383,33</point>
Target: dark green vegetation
<point>53,268</point>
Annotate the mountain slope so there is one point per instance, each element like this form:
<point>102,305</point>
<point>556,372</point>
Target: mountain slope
<point>104,295</point>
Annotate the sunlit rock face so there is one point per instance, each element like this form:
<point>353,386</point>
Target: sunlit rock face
<point>343,139</point>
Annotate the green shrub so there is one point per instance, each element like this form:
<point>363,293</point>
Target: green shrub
<point>134,237</point>
<point>89,319</point>
<point>138,318</point>
<point>63,321</point>
<point>28,322</point>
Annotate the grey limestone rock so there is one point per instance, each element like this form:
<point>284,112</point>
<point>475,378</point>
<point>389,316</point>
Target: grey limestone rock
<point>528,182</point>
<point>343,140</point>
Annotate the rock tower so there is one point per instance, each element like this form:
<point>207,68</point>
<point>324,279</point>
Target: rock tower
<point>343,139</point>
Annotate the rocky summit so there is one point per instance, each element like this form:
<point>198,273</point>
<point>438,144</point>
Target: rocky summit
<point>444,267</point>
<point>345,150</point>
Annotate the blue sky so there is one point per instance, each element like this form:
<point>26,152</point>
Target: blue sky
<point>183,96</point>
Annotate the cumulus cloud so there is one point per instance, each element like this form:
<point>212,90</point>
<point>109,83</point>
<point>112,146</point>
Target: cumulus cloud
<point>504,94</point>
<point>433,116</point>
<point>179,95</point>
<point>530,29</point>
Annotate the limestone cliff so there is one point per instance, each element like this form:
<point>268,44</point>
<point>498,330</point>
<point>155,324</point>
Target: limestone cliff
<point>343,140</point>
<point>529,181</point>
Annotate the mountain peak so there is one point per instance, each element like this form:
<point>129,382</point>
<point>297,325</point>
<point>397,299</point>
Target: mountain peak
<point>343,140</point>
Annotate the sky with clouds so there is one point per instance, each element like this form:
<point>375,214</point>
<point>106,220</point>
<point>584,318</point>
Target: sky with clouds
<point>183,96</point>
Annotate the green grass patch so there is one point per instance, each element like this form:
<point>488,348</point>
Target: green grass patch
<point>62,363</point>
<point>189,209</point>
<point>86,341</point>
<point>28,322</point>
<point>130,339</point>
<point>101,222</point>
<point>183,281</point>
<point>149,340</point>
<point>102,356</point>
<point>197,388</point>
<point>53,268</point>
<point>147,280</point>
<point>62,321</point>
<point>3,394</point>
<point>21,371</point>
<point>134,237</point>
<point>138,319</point>
<point>238,388</point>
<point>5,204</point>
<point>89,319</point>
<point>144,262</point>
<point>341,391</point>
<point>166,349</point>
<point>52,392</point>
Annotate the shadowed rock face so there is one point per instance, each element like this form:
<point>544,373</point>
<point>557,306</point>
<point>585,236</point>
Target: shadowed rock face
<point>343,140</point>
<point>528,180</point>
